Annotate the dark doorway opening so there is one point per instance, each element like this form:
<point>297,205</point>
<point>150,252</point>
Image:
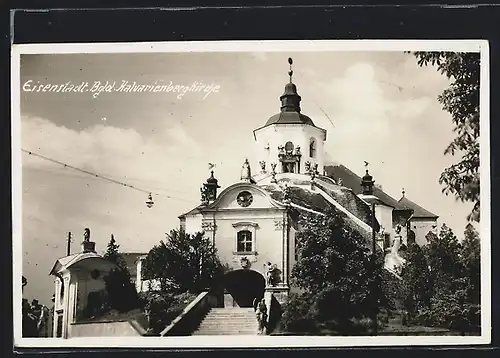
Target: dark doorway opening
<point>245,286</point>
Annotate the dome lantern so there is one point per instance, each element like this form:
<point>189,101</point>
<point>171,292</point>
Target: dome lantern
<point>367,183</point>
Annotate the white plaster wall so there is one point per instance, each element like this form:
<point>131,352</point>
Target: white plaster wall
<point>383,214</point>
<point>421,227</point>
<point>298,134</point>
<point>268,240</point>
<point>193,223</point>
<point>86,285</point>
<point>103,329</point>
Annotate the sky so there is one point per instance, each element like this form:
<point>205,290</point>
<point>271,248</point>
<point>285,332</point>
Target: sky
<point>378,107</point>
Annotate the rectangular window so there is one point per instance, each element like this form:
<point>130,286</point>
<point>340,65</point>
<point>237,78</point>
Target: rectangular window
<point>244,241</point>
<point>387,241</point>
<point>59,326</point>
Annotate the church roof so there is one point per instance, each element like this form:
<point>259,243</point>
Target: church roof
<point>290,118</point>
<point>349,200</point>
<point>191,212</point>
<point>315,201</point>
<point>353,181</point>
<point>418,211</point>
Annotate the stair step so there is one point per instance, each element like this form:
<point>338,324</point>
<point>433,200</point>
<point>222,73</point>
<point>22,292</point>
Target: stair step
<point>228,321</point>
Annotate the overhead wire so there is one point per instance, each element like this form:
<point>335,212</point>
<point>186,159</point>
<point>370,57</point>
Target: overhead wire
<point>98,176</point>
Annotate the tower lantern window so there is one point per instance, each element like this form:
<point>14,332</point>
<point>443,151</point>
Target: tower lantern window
<point>312,148</point>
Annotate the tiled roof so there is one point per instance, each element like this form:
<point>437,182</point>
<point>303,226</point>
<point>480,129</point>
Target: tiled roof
<point>315,201</point>
<point>418,211</point>
<point>353,181</point>
<point>349,200</point>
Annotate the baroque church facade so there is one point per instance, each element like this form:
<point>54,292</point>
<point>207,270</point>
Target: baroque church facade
<point>253,223</point>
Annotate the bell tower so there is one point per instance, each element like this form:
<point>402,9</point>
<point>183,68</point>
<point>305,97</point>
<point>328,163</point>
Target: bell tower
<point>289,142</point>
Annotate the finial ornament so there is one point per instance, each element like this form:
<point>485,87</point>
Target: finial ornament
<point>403,192</point>
<point>290,73</point>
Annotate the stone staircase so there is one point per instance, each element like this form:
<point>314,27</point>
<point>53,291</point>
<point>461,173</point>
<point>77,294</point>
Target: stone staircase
<point>228,321</point>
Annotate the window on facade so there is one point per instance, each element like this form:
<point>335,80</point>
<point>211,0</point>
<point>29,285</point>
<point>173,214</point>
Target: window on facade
<point>244,241</point>
<point>387,241</point>
<point>312,148</point>
<point>59,326</point>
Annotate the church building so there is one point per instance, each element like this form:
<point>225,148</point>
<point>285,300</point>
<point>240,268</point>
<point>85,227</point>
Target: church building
<point>253,223</point>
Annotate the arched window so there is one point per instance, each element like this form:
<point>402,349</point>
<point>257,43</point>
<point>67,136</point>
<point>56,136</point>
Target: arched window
<point>312,148</point>
<point>244,241</point>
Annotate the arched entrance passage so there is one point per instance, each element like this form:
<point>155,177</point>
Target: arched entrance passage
<point>244,286</point>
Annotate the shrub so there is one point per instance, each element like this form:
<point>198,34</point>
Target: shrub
<point>297,315</point>
<point>161,308</point>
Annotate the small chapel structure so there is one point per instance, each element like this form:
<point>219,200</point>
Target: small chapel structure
<point>253,222</point>
<point>79,287</point>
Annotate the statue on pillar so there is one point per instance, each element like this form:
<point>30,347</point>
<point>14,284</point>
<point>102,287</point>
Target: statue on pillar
<point>273,173</point>
<point>262,164</point>
<point>273,275</point>
<point>307,166</point>
<point>246,174</point>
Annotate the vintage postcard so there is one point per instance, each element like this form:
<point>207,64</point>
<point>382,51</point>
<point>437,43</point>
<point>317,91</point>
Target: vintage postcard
<point>282,193</point>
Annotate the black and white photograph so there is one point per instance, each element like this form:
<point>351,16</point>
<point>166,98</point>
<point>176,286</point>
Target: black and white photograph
<point>282,193</point>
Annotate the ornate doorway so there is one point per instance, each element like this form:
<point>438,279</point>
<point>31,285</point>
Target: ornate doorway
<point>244,286</point>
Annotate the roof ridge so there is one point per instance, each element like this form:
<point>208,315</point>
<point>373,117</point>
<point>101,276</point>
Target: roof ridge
<point>416,207</point>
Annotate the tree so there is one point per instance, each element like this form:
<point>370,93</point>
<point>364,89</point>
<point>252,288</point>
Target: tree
<point>189,261</point>
<point>122,294</point>
<point>443,257</point>
<point>454,276</point>
<point>416,283</point>
<point>112,254</point>
<point>336,268</point>
<point>461,100</point>
<point>470,256</point>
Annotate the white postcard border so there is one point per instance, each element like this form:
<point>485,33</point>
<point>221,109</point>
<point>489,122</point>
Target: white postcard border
<point>481,46</point>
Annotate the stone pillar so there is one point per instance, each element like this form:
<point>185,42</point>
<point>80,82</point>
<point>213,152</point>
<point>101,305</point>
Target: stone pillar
<point>66,305</point>
<point>56,304</point>
<point>138,279</point>
<point>284,271</point>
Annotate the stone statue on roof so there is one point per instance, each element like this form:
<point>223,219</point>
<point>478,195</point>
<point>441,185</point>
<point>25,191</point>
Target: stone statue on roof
<point>86,235</point>
<point>246,174</point>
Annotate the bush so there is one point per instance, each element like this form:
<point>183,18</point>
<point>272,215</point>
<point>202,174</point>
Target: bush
<point>297,315</point>
<point>161,308</point>
<point>121,292</point>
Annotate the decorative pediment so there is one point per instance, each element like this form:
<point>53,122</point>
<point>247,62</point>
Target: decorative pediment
<point>245,224</point>
<point>244,196</point>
